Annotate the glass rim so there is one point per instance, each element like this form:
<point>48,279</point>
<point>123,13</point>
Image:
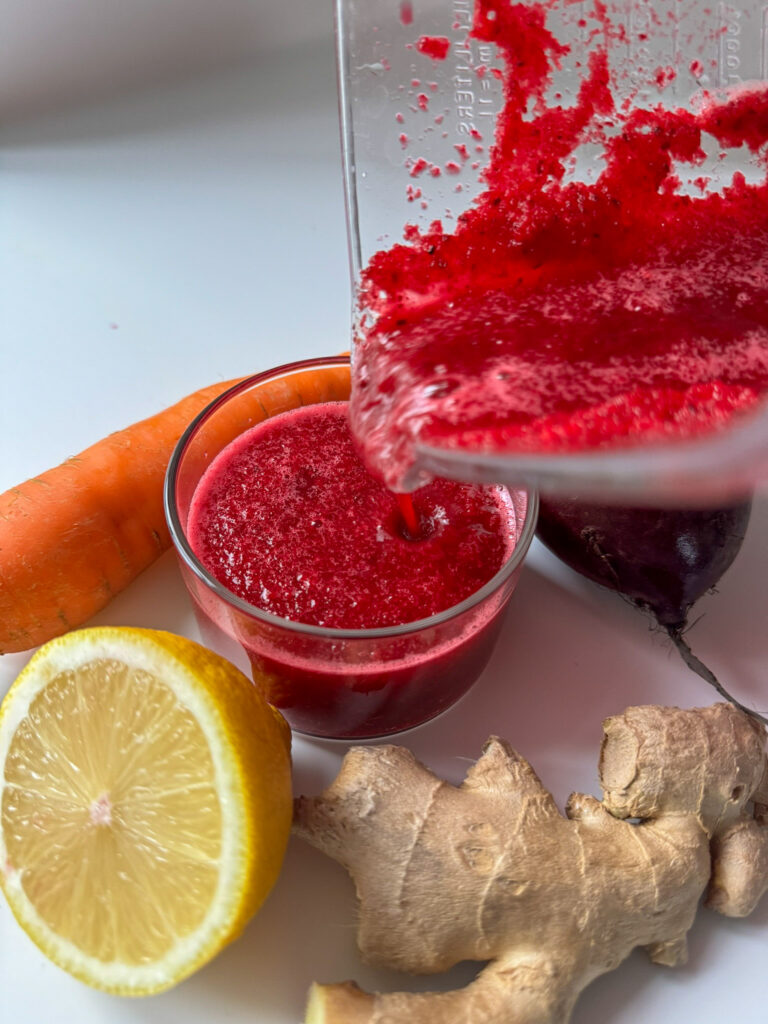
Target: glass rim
<point>190,560</point>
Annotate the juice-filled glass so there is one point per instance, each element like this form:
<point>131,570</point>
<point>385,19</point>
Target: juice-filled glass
<point>329,682</point>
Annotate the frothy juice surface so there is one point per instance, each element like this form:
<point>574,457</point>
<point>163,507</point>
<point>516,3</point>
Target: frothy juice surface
<point>566,314</point>
<point>288,518</point>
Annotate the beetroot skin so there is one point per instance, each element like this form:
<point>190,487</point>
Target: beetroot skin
<point>662,560</point>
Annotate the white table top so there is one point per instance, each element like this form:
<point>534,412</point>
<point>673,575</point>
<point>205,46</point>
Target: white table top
<point>182,237</point>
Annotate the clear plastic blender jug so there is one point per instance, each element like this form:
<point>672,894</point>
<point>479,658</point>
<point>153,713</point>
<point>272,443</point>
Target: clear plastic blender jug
<point>398,107</point>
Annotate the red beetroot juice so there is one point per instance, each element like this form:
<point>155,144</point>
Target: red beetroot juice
<point>566,315</point>
<point>288,519</point>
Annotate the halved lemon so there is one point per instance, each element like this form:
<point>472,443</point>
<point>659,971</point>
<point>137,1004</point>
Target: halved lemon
<point>145,802</point>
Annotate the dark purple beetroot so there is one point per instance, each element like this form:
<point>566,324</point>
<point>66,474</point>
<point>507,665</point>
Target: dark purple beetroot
<point>663,560</point>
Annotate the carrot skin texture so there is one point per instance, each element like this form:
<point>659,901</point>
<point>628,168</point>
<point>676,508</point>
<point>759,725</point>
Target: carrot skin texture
<point>73,537</point>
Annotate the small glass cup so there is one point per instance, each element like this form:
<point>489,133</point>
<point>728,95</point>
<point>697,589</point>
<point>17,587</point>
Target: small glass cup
<point>333,683</point>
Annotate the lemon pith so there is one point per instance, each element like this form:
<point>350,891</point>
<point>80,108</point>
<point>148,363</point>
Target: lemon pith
<point>145,804</point>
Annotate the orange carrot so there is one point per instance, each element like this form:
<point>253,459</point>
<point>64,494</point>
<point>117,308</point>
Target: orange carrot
<point>73,537</point>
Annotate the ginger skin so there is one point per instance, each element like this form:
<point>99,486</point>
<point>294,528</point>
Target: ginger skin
<point>492,871</point>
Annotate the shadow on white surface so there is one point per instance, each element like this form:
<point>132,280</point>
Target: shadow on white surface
<point>265,93</point>
<point>54,54</point>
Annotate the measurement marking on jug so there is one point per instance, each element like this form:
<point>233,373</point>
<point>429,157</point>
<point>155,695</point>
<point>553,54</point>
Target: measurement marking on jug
<point>471,91</point>
<point>730,44</point>
<point>463,95</point>
<point>487,105</point>
<point>462,15</point>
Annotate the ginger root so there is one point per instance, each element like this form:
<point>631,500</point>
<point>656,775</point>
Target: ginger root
<point>492,871</point>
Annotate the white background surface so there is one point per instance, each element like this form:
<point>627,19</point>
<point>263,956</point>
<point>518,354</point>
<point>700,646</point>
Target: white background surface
<point>192,233</point>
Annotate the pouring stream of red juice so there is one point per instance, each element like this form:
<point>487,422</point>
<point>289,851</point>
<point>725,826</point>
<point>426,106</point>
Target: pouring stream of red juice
<point>563,316</point>
<point>409,514</point>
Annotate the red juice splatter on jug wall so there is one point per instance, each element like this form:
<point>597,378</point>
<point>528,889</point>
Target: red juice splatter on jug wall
<point>436,47</point>
<point>570,314</point>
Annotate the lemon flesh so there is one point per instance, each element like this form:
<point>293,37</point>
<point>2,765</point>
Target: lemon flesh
<point>144,804</point>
